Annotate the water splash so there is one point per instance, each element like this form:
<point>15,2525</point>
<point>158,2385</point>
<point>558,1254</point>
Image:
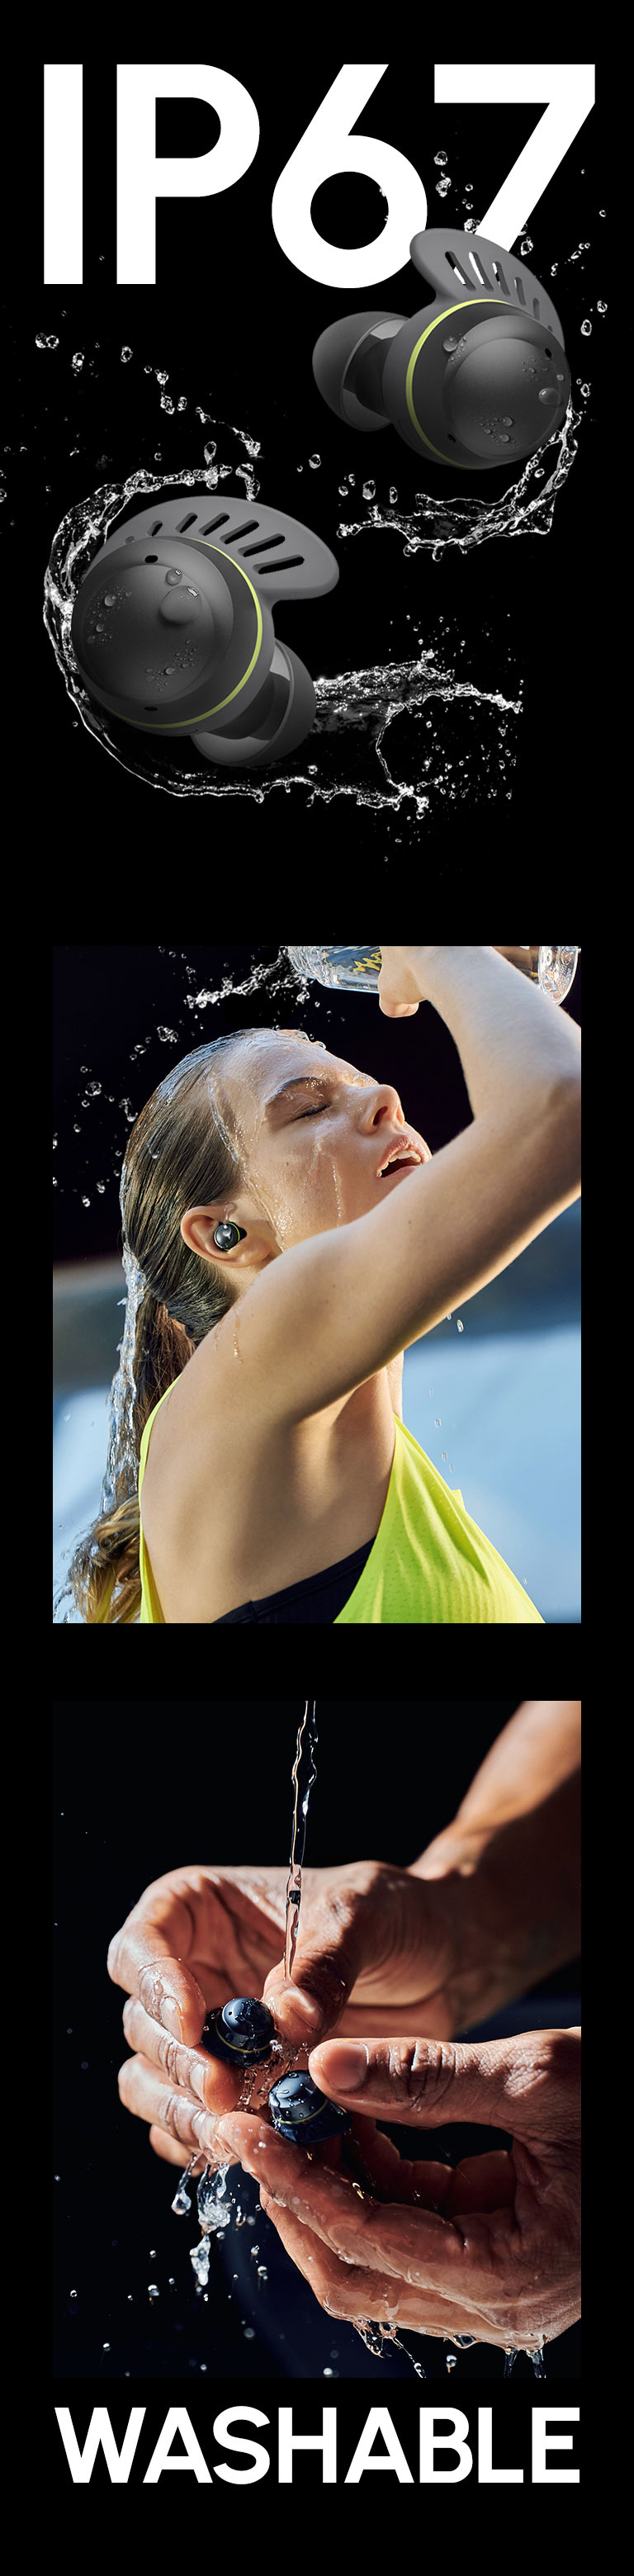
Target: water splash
<point>466,522</point>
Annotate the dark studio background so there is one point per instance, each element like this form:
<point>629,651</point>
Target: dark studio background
<point>234,323</point>
<point>110,1005</point>
<point>141,1788</point>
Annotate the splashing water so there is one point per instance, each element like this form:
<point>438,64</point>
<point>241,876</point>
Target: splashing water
<point>214,2212</point>
<point>466,522</point>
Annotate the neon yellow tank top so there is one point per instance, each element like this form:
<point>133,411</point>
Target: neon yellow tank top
<point>430,1564</point>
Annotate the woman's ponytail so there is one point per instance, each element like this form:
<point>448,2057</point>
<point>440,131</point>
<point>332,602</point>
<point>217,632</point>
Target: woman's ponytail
<point>178,1156</point>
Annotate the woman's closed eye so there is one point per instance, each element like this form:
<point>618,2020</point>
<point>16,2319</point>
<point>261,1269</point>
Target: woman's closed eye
<point>314,1113</point>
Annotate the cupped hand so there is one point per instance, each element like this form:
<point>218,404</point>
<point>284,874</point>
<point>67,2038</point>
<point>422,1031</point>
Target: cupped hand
<point>490,2249</point>
<point>373,1942</point>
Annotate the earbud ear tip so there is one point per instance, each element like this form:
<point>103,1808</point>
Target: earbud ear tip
<point>332,361</point>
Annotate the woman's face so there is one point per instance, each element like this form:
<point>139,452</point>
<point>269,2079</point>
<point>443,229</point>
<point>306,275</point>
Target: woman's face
<point>311,1132</point>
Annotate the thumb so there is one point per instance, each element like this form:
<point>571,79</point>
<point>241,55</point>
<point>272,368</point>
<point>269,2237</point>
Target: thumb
<point>520,2084</point>
<point>323,1977</point>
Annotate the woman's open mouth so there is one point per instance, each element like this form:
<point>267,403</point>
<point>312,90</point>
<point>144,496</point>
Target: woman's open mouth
<point>403,1158</point>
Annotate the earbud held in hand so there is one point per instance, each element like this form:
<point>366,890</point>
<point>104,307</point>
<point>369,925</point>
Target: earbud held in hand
<point>475,379</point>
<point>172,628</point>
<point>304,2115</point>
<point>240,2032</point>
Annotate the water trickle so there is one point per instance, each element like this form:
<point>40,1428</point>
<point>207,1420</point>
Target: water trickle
<point>304,1760</point>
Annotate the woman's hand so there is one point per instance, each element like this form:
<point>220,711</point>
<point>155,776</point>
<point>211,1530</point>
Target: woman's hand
<point>374,1943</point>
<point>399,984</point>
<point>491,2249</point>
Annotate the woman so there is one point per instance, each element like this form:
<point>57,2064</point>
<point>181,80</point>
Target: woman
<point>284,1271</point>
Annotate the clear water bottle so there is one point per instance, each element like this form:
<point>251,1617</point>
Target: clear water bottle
<point>357,970</point>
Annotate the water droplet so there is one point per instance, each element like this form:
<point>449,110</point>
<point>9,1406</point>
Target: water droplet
<point>440,160</point>
<point>503,438</point>
<point>442,186</point>
<point>152,2290</point>
<point>450,345</point>
<point>586,329</point>
<point>46,340</point>
<point>451,2360</point>
<point>461,1328</point>
<point>507,417</point>
<point>125,355</point>
<point>368,490</point>
<point>249,2334</point>
<point>314,460</point>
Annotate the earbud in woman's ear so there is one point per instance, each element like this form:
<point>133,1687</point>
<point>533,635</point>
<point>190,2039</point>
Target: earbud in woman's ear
<point>227,1235</point>
<point>477,378</point>
<point>172,628</point>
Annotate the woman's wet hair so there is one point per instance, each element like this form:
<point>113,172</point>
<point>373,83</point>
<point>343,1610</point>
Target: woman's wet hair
<point>178,1156</point>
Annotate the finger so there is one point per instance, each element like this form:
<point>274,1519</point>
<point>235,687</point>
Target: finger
<point>389,2175</point>
<point>149,1957</point>
<point>340,2288</point>
<point>168,2148</point>
<point>170,2106</point>
<point>213,2083</point>
<point>348,2292</point>
<point>411,2244</point>
<point>332,1948</point>
<point>431,2081</point>
<point>481,2182</point>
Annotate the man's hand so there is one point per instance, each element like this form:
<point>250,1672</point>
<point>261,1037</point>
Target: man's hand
<point>492,2249</point>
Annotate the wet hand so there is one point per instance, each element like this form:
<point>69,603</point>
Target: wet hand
<point>195,1937</point>
<point>491,2249</point>
<point>373,1942</point>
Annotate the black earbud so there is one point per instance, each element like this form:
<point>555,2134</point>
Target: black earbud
<point>303,2114</point>
<point>172,628</point>
<point>476,378</point>
<point>240,2032</point>
<point>226,1236</point>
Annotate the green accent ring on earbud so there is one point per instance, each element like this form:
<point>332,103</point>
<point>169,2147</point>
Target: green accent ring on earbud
<point>183,724</point>
<point>433,326</point>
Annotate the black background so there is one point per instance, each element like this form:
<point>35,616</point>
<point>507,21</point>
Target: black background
<point>111,1001</point>
<point>235,322</point>
<point>145,1787</point>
